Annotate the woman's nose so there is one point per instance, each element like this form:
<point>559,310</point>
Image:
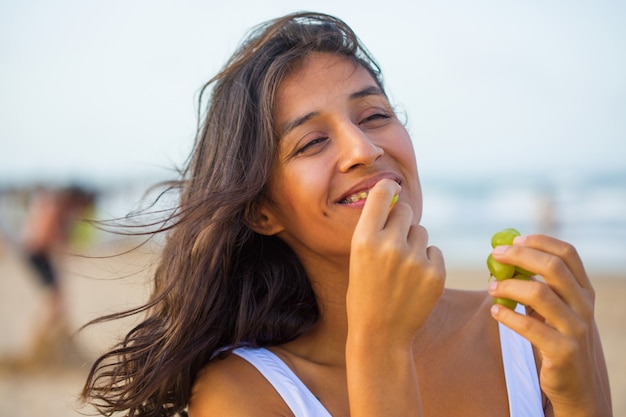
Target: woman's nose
<point>357,148</point>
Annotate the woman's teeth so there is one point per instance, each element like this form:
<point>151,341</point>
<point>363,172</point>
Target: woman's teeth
<point>361,195</point>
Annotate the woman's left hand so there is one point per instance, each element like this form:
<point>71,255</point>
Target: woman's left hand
<point>560,323</point>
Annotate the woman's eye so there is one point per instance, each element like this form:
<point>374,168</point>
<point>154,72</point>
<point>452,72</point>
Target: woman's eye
<point>311,145</point>
<point>377,117</point>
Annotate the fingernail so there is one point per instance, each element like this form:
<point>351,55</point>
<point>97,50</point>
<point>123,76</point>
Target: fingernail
<point>495,309</point>
<point>519,240</point>
<point>499,250</point>
<point>492,286</point>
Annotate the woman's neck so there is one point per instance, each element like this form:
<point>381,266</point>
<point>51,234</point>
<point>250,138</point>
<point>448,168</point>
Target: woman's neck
<point>326,341</point>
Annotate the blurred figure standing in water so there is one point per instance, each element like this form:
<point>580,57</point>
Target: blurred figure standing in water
<point>547,214</point>
<point>52,219</point>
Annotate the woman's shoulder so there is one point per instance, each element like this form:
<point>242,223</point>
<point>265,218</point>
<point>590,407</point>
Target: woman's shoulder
<point>232,386</point>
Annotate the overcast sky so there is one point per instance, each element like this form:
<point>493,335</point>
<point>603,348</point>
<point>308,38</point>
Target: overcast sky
<point>107,89</point>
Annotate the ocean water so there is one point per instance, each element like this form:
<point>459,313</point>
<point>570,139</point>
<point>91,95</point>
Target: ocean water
<point>461,213</point>
<point>585,209</point>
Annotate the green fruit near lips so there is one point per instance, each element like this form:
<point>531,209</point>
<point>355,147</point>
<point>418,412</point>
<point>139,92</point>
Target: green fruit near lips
<point>394,200</point>
<point>498,270</point>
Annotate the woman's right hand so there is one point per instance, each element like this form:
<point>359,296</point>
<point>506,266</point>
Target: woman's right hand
<point>395,278</point>
<point>395,282</point>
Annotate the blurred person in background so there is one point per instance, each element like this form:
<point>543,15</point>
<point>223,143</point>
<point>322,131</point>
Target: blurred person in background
<point>52,224</point>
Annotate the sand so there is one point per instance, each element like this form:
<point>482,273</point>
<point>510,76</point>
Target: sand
<point>49,386</point>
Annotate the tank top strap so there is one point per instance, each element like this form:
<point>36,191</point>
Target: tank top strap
<point>520,372</point>
<point>296,395</point>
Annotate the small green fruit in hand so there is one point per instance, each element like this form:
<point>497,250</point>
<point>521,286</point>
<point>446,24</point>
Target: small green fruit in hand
<point>498,270</point>
<point>504,237</point>
<point>523,277</point>
<point>394,200</point>
<point>503,271</point>
<point>507,302</point>
<point>520,270</point>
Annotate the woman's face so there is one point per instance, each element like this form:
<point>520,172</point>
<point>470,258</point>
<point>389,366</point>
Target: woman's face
<point>338,137</point>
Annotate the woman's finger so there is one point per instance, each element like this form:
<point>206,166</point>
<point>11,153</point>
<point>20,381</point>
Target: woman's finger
<point>555,272</point>
<point>563,251</point>
<point>376,209</point>
<point>542,299</point>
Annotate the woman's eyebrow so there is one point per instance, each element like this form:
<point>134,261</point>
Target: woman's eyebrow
<point>366,92</point>
<point>370,90</point>
<point>289,126</point>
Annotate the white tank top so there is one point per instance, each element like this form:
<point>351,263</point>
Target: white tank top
<point>300,400</point>
<point>520,373</point>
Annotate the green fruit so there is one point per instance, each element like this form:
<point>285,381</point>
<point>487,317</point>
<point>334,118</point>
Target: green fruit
<point>505,302</point>
<point>524,277</point>
<point>503,271</point>
<point>498,270</point>
<point>520,270</point>
<point>504,237</point>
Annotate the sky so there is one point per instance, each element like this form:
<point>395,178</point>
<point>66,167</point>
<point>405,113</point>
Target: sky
<point>103,91</point>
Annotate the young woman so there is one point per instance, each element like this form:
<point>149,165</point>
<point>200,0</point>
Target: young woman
<point>293,284</point>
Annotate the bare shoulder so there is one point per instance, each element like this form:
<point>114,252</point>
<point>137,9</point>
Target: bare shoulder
<point>233,387</point>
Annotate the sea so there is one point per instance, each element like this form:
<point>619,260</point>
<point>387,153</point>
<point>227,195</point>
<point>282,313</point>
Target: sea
<point>461,213</point>
<point>586,209</point>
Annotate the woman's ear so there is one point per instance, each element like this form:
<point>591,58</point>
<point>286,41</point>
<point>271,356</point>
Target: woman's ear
<point>262,219</point>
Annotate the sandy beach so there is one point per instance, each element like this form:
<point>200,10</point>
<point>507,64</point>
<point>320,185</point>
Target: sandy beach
<point>96,286</point>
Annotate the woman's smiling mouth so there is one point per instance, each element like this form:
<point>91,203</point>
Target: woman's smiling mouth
<point>358,196</point>
<point>361,195</point>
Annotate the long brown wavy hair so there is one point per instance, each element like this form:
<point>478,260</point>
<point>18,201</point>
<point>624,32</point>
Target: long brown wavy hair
<point>218,284</point>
